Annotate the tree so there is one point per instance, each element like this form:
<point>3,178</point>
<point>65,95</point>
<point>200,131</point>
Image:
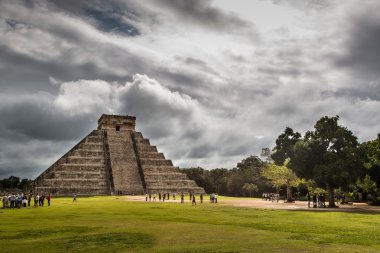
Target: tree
<point>247,171</point>
<point>218,180</point>
<point>328,155</point>
<point>200,176</point>
<point>367,185</point>
<point>284,146</point>
<point>282,175</point>
<point>250,188</point>
<point>371,153</point>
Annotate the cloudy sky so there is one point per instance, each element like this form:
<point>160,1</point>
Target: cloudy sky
<point>211,82</point>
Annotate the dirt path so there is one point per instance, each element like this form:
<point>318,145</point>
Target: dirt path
<point>262,204</point>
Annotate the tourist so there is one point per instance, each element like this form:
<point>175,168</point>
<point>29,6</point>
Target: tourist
<point>5,201</point>
<point>36,198</point>
<point>48,199</point>
<point>29,198</point>
<point>154,198</point>
<point>216,198</point>
<point>314,200</point>
<point>193,202</point>
<point>12,199</point>
<point>163,197</point>
<point>146,197</point>
<point>19,200</point>
<point>150,197</point>
<point>42,199</point>
<point>24,201</point>
<point>201,198</point>
<point>75,198</point>
<point>182,198</point>
<point>308,200</point>
<point>159,196</point>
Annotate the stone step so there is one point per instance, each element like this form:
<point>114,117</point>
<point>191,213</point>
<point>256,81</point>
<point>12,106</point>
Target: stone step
<point>142,141</point>
<point>165,176</point>
<point>138,135</point>
<point>80,167</point>
<point>88,153</point>
<point>78,175</point>
<point>159,169</point>
<point>146,148</point>
<point>157,162</point>
<point>91,146</point>
<point>94,139</point>
<point>85,160</point>
<point>151,155</point>
<point>63,183</point>
<point>118,141</point>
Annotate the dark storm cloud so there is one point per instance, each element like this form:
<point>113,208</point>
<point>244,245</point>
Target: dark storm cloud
<point>107,16</point>
<point>23,73</point>
<point>202,13</point>
<point>201,151</point>
<point>73,6</point>
<point>35,118</point>
<point>361,56</point>
<point>363,46</point>
<point>109,22</point>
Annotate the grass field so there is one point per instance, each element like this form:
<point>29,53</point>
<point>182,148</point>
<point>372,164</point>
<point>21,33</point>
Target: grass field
<point>111,224</point>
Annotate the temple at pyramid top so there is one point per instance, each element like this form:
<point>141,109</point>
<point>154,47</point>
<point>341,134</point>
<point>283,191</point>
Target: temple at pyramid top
<point>114,159</point>
<point>117,122</point>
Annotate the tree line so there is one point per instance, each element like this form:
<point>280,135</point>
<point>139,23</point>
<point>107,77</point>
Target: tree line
<point>14,183</point>
<point>328,159</point>
<point>245,179</point>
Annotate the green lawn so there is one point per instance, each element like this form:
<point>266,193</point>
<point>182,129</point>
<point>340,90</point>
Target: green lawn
<point>108,224</point>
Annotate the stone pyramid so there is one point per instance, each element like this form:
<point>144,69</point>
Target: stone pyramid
<point>114,159</point>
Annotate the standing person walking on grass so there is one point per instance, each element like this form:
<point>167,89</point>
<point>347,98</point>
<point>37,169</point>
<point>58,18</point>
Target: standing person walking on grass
<point>193,202</point>
<point>201,198</point>
<point>182,198</point>
<point>29,198</point>
<point>36,198</point>
<point>48,199</point>
<point>75,198</point>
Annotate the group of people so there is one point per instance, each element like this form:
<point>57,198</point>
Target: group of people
<point>213,198</point>
<point>271,196</point>
<point>318,200</point>
<point>161,197</point>
<point>149,197</point>
<point>20,200</point>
